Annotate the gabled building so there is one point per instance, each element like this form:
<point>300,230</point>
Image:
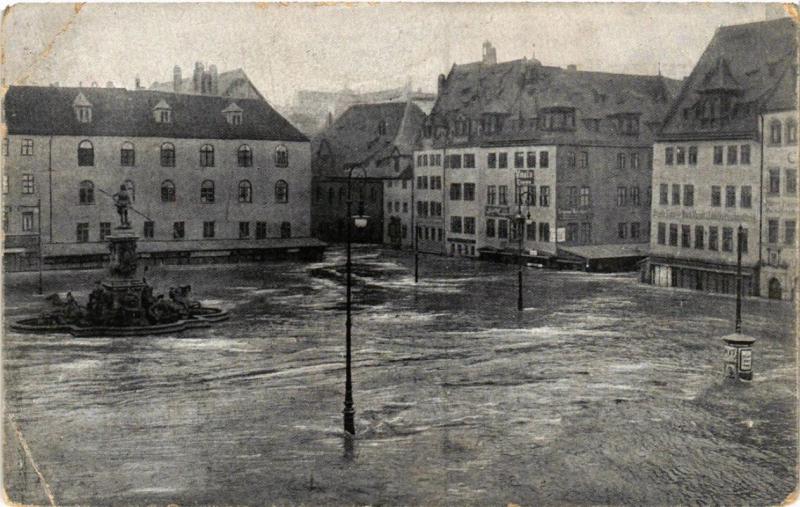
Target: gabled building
<point>576,145</point>
<point>233,83</point>
<point>376,142</point>
<point>725,158</point>
<point>209,176</point>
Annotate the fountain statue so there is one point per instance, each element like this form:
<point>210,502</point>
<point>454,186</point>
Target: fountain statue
<point>123,304</point>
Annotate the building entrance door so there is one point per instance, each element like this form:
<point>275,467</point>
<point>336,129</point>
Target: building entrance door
<point>775,291</point>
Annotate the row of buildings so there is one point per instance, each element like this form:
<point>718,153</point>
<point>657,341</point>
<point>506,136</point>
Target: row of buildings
<point>569,168</point>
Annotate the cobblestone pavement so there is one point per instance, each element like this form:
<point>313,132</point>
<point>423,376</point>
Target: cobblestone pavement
<point>603,391</point>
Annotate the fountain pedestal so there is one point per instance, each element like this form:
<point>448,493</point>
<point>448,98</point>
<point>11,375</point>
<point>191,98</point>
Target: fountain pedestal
<point>123,284</point>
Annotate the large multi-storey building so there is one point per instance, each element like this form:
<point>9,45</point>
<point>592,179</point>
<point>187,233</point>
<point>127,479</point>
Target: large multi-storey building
<point>569,149</point>
<point>375,142</point>
<point>209,176</point>
<point>725,158</point>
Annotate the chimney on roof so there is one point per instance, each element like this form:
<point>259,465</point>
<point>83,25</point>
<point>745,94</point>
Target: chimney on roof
<point>197,77</point>
<point>214,81</point>
<point>572,67</point>
<point>329,120</point>
<point>109,84</point>
<point>440,84</point>
<point>137,83</point>
<point>489,54</point>
<point>94,84</point>
<point>176,79</point>
<point>80,84</point>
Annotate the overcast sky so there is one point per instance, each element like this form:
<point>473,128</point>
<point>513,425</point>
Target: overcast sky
<point>364,46</point>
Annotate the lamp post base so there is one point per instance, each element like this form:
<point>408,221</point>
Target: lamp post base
<point>349,419</point>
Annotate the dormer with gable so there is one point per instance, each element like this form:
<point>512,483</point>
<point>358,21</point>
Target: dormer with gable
<point>83,108</point>
<point>162,112</point>
<point>233,114</point>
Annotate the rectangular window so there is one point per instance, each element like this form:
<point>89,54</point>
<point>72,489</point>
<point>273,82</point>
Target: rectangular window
<point>491,195</point>
<point>544,196</point>
<point>469,191</point>
<point>673,234</point>
<point>503,162</point>
<point>772,230</point>
<point>178,230</point>
<point>669,155</point>
<point>519,160</point>
<point>244,230</point>
<point>469,160</point>
<point>469,225</point>
<point>744,153</point>
<point>634,161</point>
<point>699,231</point>
<point>730,196</point>
<point>621,158</point>
<point>531,159</point>
<point>544,232</point>
<point>790,229</point>
<point>572,197</point>
<point>455,161</point>
<point>692,155</point>
<point>688,195</point>
<point>686,236</point>
<point>743,241</point>
<point>490,227</point>
<point>713,238</point>
<point>622,230</point>
<point>572,232</point>
<point>27,221</point>
<point>746,197</point>
<point>544,161</point>
<point>149,229</point>
<point>774,181</point>
<point>502,229</point>
<point>716,196</point>
<point>662,233</point>
<point>586,232</point>
<point>727,239</point>
<point>5,183</point>
<point>27,147</point>
<point>208,229</point>
<point>663,194</point>
<point>585,201</point>
<point>261,230</point>
<point>530,231</point>
<point>28,186</point>
<point>455,224</point>
<point>455,191</point>
<point>718,154</point>
<point>635,230</point>
<point>571,160</point>
<point>791,181</point>
<point>680,155</point>
<point>584,160</point>
<point>82,232</point>
<point>676,195</point>
<point>733,155</point>
<point>5,146</point>
<point>622,196</point>
<point>491,160</point>
<point>105,230</point>
<point>502,198</point>
<point>389,206</point>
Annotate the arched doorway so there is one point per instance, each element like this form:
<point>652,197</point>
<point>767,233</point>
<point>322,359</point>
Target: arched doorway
<point>775,291</point>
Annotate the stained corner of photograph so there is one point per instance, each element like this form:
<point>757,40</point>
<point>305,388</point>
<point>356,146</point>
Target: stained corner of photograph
<point>529,254</point>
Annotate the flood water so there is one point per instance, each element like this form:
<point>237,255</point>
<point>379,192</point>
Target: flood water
<point>601,391</point>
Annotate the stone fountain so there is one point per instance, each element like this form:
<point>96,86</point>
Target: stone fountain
<point>123,304</point>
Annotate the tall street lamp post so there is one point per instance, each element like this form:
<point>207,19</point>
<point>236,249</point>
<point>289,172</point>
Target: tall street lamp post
<point>520,221</point>
<point>360,221</point>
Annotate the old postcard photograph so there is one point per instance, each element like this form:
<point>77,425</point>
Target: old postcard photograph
<point>401,254</point>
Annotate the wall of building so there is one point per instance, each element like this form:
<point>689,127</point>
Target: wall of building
<point>702,213</point>
<point>329,209</point>
<point>779,258</point>
<point>60,186</point>
<point>429,229</point>
<point>397,205</point>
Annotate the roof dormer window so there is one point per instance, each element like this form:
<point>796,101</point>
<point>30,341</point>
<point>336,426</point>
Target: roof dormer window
<point>83,108</point>
<point>162,113</point>
<point>233,114</point>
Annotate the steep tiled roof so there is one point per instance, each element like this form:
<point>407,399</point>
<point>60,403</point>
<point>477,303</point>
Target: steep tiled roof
<point>519,90</point>
<point>40,110</point>
<point>743,64</point>
<point>355,139</point>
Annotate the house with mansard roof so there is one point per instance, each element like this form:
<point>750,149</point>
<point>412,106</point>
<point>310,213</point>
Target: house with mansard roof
<point>210,176</point>
<point>726,158</point>
<point>376,141</point>
<point>576,145</point>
